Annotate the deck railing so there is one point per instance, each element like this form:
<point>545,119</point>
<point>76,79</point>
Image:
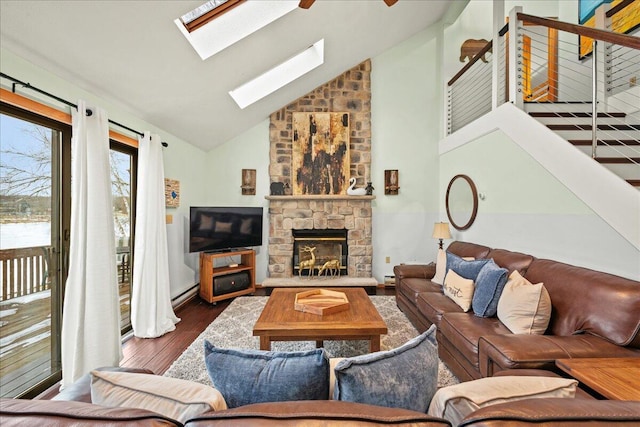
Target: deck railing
<point>24,271</point>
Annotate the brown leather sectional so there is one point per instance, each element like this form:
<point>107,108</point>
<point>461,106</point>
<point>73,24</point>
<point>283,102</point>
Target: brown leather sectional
<point>595,314</point>
<point>534,412</point>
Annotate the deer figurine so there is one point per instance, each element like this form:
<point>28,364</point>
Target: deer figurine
<point>333,266</point>
<point>310,263</point>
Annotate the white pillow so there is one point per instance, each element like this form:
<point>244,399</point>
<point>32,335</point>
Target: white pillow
<point>441,267</point>
<point>174,398</point>
<point>457,401</point>
<point>459,289</point>
<point>524,308</point>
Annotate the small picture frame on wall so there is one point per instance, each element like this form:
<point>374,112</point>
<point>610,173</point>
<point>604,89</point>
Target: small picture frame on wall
<point>248,182</point>
<point>171,193</point>
<point>391,182</point>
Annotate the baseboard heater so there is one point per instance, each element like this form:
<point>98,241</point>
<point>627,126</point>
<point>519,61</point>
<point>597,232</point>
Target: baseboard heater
<point>231,283</point>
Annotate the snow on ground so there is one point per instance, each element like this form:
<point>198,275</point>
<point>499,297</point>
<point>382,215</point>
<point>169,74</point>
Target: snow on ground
<point>25,299</point>
<point>25,234</point>
<point>19,338</point>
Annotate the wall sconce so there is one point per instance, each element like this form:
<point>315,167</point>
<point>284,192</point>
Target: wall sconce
<point>441,231</point>
<point>391,182</point>
<point>248,182</point>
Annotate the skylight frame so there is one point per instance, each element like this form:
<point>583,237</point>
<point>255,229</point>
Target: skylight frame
<point>238,23</point>
<point>207,12</point>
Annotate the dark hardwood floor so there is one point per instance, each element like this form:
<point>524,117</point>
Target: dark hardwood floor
<point>157,354</point>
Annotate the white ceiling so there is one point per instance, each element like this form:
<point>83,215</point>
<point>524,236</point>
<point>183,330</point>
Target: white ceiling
<point>131,53</point>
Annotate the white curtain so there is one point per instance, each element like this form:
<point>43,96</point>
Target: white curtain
<point>151,311</point>
<point>91,313</point>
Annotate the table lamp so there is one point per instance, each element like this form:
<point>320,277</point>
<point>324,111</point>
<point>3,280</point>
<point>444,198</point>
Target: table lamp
<point>441,231</point>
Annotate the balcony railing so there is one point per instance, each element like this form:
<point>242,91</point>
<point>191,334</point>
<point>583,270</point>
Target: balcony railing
<point>24,271</point>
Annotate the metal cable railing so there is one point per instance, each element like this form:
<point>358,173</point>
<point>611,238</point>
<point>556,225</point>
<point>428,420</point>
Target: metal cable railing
<point>592,99</point>
<point>502,91</point>
<point>579,95</point>
<point>469,94</point>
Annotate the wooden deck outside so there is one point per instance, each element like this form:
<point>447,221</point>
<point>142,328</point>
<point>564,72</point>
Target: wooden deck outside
<point>25,353</point>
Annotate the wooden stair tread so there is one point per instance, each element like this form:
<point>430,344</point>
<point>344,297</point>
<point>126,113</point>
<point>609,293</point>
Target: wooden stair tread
<point>559,102</point>
<point>566,114</point>
<point>605,142</point>
<point>634,182</point>
<point>618,160</point>
<point>588,127</point>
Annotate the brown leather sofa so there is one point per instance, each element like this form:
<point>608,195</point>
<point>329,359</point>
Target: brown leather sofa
<point>539,412</point>
<point>594,314</point>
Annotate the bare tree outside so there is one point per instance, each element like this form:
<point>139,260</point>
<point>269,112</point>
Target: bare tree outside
<point>25,178</point>
<point>121,190</point>
<point>27,170</point>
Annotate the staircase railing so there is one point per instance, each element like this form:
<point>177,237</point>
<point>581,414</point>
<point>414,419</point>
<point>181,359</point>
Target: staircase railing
<point>548,69</point>
<point>469,94</point>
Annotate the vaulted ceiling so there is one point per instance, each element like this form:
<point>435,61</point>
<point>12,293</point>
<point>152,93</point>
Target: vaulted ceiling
<point>131,53</point>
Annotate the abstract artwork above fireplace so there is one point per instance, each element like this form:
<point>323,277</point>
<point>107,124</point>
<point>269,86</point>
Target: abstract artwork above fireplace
<point>320,158</point>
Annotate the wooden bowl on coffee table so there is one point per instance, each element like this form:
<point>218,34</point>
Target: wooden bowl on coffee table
<point>321,301</point>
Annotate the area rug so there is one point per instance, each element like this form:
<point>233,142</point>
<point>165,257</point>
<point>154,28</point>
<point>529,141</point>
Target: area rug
<point>233,328</point>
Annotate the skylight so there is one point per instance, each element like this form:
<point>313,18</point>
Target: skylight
<point>233,25</point>
<point>279,76</point>
<point>207,12</point>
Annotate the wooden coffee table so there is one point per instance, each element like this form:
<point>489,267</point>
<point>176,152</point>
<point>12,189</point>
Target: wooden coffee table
<point>279,320</point>
<point>614,378</point>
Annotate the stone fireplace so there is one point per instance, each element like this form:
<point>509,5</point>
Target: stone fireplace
<point>351,93</point>
<point>349,213</point>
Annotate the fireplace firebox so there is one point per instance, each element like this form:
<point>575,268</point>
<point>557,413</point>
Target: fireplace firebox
<point>320,252</point>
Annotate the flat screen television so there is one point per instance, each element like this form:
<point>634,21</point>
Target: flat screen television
<point>224,228</point>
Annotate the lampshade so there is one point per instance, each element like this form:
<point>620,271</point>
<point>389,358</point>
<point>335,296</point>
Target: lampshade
<point>441,230</point>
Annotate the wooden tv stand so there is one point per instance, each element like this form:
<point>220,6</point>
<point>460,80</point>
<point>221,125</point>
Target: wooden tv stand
<point>208,271</point>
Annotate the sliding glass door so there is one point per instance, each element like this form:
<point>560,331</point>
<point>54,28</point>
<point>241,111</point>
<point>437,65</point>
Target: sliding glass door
<point>34,238</point>
<point>123,167</point>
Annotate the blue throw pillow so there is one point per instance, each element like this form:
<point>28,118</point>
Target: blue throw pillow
<point>405,377</point>
<point>464,268</point>
<point>489,285</point>
<point>254,376</point>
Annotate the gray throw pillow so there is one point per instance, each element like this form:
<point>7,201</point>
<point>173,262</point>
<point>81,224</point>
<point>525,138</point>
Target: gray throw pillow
<point>488,288</point>
<point>464,268</point>
<point>405,377</point>
<point>255,376</point>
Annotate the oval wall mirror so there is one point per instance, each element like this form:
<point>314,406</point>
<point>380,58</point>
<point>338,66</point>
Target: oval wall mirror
<point>461,202</point>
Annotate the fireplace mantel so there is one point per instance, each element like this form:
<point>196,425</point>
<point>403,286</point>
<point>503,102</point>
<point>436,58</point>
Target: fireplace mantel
<point>319,197</point>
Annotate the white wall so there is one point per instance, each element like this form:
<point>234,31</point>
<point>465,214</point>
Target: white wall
<point>405,127</point>
<point>249,150</point>
<point>182,161</point>
<point>475,22</point>
<point>527,209</point>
